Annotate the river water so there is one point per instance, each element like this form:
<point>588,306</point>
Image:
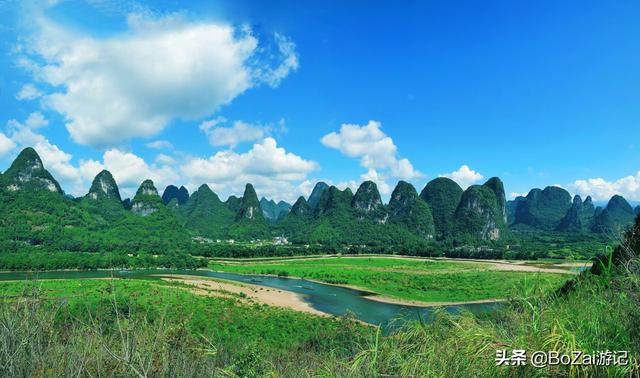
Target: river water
<point>334,300</point>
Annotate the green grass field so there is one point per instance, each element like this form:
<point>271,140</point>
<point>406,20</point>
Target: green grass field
<point>133,328</point>
<point>224,321</point>
<point>406,279</point>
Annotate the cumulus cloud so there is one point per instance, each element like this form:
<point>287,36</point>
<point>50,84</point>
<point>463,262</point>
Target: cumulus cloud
<point>133,84</point>
<point>601,190</point>
<point>464,176</point>
<point>239,132</point>
<point>375,149</point>
<point>372,175</point>
<point>273,171</point>
<point>24,134</point>
<point>128,169</point>
<point>28,92</point>
<point>6,144</point>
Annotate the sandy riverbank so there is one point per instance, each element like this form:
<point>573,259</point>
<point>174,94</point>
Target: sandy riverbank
<point>253,293</point>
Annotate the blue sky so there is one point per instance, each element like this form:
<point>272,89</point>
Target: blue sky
<point>283,94</point>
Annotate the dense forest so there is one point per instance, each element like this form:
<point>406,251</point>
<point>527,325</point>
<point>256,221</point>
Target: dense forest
<point>43,228</point>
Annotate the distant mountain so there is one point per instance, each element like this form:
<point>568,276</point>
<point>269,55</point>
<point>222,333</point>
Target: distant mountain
<point>511,208</point>
<point>273,211</point>
<point>615,217</point>
<point>543,209</point>
<point>367,203</point>
<point>481,213</point>
<point>103,199</point>
<point>147,200</point>
<point>301,207</point>
<point>497,186</point>
<point>297,222</point>
<point>206,215</point>
<point>234,203</point>
<point>249,223</point>
<point>35,213</point>
<point>408,209</point>
<point>579,215</point>
<point>172,191</point>
<point>37,218</point>
<point>27,173</point>
<point>249,205</point>
<point>104,187</point>
<point>316,194</point>
<point>443,196</point>
<point>334,200</point>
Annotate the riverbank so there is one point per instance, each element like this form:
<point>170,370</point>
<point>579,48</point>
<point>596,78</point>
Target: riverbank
<point>410,281</point>
<point>247,293</point>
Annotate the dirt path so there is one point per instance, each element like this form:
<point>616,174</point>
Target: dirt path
<point>254,293</point>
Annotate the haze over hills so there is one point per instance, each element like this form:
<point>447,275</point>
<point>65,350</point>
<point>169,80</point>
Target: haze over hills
<point>35,212</point>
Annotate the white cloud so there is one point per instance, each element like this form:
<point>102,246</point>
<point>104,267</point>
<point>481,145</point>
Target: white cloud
<point>372,175</point>
<point>274,172</point>
<point>165,159</point>
<point>236,134</point>
<point>28,92</point>
<point>128,169</point>
<point>36,120</point>
<point>23,134</point>
<point>513,195</point>
<point>160,145</point>
<point>464,176</point>
<point>6,144</point>
<point>601,190</point>
<point>133,84</point>
<point>287,50</point>
<point>376,152</point>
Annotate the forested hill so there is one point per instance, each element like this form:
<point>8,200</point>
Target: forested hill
<point>38,217</point>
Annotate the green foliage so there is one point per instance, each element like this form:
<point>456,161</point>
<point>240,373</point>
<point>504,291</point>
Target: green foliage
<point>367,204</point>
<point>122,328</point>
<point>27,173</point>
<point>274,211</point>
<point>204,214</point>
<point>615,217</point>
<point>480,214</point>
<point>443,196</point>
<point>406,208</point>
<point>427,281</point>
<point>181,195</point>
<point>543,209</point>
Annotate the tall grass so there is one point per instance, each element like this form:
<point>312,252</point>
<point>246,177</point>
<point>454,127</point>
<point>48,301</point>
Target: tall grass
<point>597,313</point>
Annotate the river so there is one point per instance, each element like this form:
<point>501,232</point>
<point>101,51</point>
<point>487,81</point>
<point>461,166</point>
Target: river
<point>330,299</point>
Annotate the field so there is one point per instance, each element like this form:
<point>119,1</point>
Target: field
<point>125,316</point>
<point>406,279</point>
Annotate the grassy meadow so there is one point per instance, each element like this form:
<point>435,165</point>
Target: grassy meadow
<point>405,279</point>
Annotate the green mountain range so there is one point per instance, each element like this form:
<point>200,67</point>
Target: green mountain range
<point>553,209</point>
<point>37,216</point>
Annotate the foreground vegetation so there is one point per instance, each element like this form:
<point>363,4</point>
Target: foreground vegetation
<point>148,328</point>
<point>405,279</point>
